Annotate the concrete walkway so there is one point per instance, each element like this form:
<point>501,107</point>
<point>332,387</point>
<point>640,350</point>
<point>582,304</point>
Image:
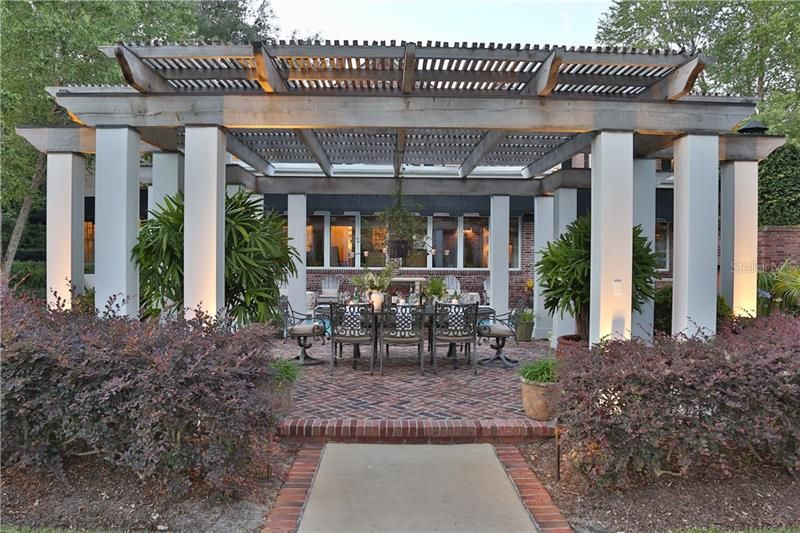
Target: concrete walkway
<point>385,487</point>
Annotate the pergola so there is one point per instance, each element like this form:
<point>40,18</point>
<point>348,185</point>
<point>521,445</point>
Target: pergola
<point>494,120</point>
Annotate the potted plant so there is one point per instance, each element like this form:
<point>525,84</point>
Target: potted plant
<point>564,276</point>
<point>525,325</point>
<point>375,284</point>
<point>405,230</point>
<point>434,290</point>
<point>285,374</point>
<point>539,388</point>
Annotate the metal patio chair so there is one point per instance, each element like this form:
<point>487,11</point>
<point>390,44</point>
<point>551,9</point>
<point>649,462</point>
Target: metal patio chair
<point>402,325</point>
<point>301,327</point>
<point>455,324</point>
<point>500,328</point>
<point>352,324</point>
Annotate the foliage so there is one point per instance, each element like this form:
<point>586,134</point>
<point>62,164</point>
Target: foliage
<point>370,281</point>
<point>779,289</point>
<point>258,258</point>
<point>236,20</point>
<point>564,271</point>
<point>435,287</point>
<point>779,187</point>
<point>286,372</point>
<point>662,310</point>
<point>682,406</point>
<point>525,316</point>
<point>401,223</point>
<point>539,371</point>
<point>174,401</point>
<point>29,276</point>
<point>753,44</point>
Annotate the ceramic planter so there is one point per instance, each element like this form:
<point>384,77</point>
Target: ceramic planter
<point>524,331</point>
<point>567,343</point>
<point>538,399</point>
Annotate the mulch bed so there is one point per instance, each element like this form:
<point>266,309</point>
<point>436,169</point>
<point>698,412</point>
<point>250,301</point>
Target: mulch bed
<point>92,494</point>
<point>755,496</point>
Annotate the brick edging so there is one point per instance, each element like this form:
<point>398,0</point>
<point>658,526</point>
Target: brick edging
<point>534,496</point>
<point>411,431</point>
<point>284,515</point>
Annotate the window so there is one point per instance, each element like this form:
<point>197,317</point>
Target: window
<point>88,241</point>
<point>476,242</point>
<point>343,230</point>
<point>513,242</point>
<point>315,241</point>
<point>373,241</point>
<point>663,238</point>
<point>445,242</point>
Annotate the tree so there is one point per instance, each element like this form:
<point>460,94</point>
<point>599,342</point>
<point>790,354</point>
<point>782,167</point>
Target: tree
<point>55,43</point>
<point>258,259</point>
<point>754,44</point>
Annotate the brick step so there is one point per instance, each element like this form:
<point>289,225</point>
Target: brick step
<point>414,431</point>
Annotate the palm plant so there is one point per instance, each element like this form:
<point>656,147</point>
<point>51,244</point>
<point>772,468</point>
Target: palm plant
<point>258,258</point>
<point>564,273</point>
<point>779,288</point>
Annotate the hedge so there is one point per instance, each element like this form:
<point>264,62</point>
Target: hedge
<point>779,187</point>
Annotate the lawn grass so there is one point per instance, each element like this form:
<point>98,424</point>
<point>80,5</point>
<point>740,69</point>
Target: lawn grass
<point>734,530</point>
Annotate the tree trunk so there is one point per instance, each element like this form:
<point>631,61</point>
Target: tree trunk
<point>24,213</point>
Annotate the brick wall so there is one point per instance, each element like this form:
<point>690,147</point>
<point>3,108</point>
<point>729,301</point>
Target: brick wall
<point>471,280</point>
<point>776,244</point>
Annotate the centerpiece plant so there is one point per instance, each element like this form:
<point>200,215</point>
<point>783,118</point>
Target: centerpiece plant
<point>564,273</point>
<point>375,284</point>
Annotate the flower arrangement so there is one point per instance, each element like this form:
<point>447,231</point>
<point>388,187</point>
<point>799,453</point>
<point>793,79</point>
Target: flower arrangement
<point>375,281</point>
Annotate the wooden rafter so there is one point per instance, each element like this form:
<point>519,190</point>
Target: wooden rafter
<point>409,68</point>
<point>679,82</point>
<point>544,81</point>
<point>138,75</point>
<point>558,155</point>
<point>481,150</point>
<point>271,82</point>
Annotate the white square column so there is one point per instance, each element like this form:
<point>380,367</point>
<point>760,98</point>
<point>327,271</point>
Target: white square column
<point>167,179</point>
<point>117,219</point>
<point>542,235</point>
<point>739,236</point>
<point>500,213</point>
<point>644,215</point>
<point>204,221</point>
<point>694,286</point>
<point>565,211</point>
<point>65,177</point>
<point>612,240</point>
<point>296,222</point>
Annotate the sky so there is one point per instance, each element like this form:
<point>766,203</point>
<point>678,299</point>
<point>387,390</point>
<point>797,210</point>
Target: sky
<point>500,21</point>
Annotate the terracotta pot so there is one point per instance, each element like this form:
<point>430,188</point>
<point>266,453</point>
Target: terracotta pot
<point>524,331</point>
<point>567,343</point>
<point>538,399</point>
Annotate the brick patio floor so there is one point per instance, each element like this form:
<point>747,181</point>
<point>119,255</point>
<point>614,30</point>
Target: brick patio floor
<point>404,406</point>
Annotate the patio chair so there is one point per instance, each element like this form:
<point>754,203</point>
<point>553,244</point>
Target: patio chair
<point>403,325</point>
<point>500,328</point>
<point>300,327</point>
<point>452,284</point>
<point>352,324</point>
<point>329,291</point>
<point>455,324</point>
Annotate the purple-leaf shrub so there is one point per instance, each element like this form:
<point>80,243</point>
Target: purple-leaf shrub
<point>682,405</point>
<point>175,401</point>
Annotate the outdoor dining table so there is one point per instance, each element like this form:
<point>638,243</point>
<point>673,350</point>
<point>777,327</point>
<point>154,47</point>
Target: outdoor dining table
<point>323,312</point>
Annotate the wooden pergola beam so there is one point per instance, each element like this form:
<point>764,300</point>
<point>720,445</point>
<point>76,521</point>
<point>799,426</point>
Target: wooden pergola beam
<point>486,145</point>
<point>248,155</point>
<point>558,155</point>
<point>544,80</point>
<point>68,139</point>
<point>271,82</point>
<point>409,68</point>
<point>392,112</point>
<point>386,186</point>
<point>138,75</point>
<point>679,82</point>
<point>736,147</point>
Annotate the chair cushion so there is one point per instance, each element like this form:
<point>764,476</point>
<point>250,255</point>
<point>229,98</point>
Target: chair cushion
<point>307,330</point>
<point>495,330</point>
<point>396,339</point>
<point>448,338</point>
<point>346,339</point>
<point>327,293</point>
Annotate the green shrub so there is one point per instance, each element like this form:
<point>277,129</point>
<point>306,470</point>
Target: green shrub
<point>684,406</point>
<point>29,277</point>
<point>539,371</point>
<point>565,266</point>
<point>779,289</point>
<point>779,187</point>
<point>258,259</point>
<point>526,316</point>
<point>662,310</point>
<point>172,400</point>
<point>286,372</point>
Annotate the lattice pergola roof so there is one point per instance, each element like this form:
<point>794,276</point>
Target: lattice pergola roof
<point>507,72</point>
